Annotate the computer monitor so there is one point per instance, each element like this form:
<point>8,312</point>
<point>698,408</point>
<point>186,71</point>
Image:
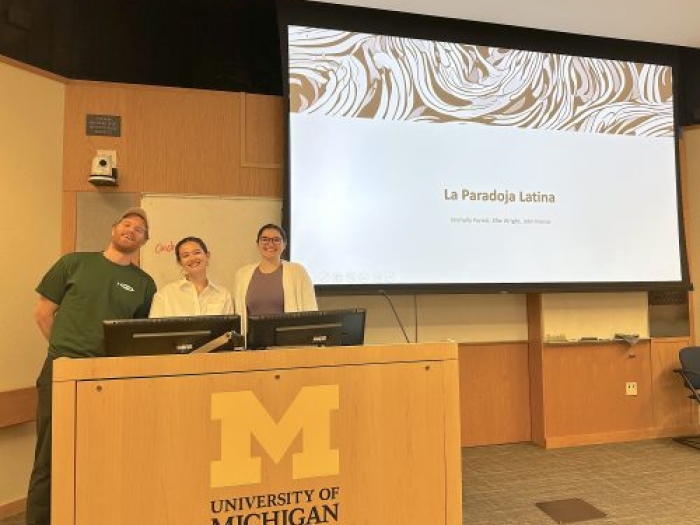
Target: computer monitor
<point>318,328</point>
<point>167,335</point>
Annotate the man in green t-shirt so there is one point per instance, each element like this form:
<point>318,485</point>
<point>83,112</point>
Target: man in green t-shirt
<point>79,292</point>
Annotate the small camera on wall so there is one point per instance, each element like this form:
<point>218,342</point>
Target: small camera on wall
<point>104,169</point>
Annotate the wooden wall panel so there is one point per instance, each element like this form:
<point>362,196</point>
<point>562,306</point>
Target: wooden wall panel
<point>260,182</point>
<point>585,389</point>
<point>83,98</point>
<point>17,406</point>
<point>535,359</point>
<point>672,408</point>
<point>494,393</point>
<point>176,140</point>
<point>189,141</point>
<point>262,131</point>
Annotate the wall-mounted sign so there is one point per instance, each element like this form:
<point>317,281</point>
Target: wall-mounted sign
<point>104,125</point>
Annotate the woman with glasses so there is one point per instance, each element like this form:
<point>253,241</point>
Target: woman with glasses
<point>194,294</point>
<point>272,285</point>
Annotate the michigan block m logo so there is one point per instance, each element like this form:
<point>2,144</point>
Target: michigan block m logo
<point>242,416</point>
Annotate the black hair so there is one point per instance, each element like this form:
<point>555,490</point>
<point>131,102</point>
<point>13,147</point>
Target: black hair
<point>189,239</point>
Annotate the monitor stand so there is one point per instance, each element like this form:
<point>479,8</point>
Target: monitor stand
<point>232,337</point>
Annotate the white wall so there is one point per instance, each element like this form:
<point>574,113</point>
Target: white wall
<point>462,318</point>
<point>31,159</point>
<point>669,22</point>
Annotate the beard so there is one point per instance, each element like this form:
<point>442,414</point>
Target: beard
<point>125,246</point>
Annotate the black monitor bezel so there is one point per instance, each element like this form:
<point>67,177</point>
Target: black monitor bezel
<point>127,337</point>
<point>340,327</point>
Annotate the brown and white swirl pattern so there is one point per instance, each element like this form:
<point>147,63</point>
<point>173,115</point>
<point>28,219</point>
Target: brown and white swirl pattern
<point>357,75</point>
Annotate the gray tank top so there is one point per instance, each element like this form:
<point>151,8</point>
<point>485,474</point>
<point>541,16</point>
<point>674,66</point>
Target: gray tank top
<point>265,293</point>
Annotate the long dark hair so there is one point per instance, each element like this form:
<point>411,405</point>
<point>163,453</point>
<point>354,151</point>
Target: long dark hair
<point>189,239</point>
<point>279,229</point>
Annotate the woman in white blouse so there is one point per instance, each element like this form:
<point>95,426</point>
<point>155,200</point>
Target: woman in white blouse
<point>194,294</point>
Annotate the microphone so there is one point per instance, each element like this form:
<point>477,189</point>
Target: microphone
<point>398,319</point>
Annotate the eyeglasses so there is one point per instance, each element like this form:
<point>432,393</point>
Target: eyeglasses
<point>267,240</point>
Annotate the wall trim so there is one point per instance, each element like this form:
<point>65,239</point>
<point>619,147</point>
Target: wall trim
<point>32,69</point>
<point>620,437</point>
<point>17,406</point>
<point>13,508</point>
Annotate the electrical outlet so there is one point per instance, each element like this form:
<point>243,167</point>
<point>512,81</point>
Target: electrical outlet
<point>631,388</point>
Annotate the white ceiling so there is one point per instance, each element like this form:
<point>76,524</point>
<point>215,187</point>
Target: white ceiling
<point>663,21</point>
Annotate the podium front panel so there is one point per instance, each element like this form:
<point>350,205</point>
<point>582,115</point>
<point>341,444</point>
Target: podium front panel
<point>359,444</point>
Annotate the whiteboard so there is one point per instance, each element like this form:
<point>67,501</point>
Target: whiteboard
<point>575,315</point>
<point>228,226</point>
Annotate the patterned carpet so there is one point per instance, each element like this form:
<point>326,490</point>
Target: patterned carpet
<point>641,483</point>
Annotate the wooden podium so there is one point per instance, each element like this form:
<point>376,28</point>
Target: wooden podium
<point>348,435</point>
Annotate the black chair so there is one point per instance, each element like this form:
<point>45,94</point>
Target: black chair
<point>690,372</point>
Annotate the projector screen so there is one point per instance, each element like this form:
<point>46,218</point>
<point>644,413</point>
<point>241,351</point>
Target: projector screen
<point>429,164</point>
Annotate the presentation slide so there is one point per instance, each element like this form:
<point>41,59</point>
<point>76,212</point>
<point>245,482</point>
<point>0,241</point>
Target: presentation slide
<point>420,162</point>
